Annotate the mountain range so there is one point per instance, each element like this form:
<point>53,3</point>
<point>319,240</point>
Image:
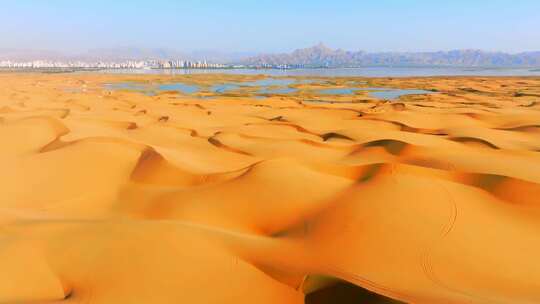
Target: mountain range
<point>316,56</point>
<point>323,56</point>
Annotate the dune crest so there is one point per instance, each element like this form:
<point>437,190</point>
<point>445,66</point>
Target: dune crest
<point>126,197</point>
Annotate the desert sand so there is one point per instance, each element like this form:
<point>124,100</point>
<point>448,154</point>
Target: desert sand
<point>120,197</point>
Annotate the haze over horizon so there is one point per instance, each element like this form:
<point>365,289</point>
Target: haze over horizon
<point>271,26</point>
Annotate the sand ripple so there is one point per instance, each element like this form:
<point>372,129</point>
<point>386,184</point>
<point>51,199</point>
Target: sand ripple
<point>126,198</point>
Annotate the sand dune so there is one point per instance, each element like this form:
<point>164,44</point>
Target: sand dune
<point>122,197</point>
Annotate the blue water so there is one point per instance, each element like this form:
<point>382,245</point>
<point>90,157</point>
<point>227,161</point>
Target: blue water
<point>152,89</point>
<point>130,86</point>
<point>277,90</point>
<point>396,93</point>
<point>222,88</point>
<point>380,93</point>
<point>269,86</point>
<point>179,87</point>
<point>268,82</point>
<point>351,72</point>
<point>190,89</point>
<point>341,91</point>
<point>281,85</point>
<point>351,91</point>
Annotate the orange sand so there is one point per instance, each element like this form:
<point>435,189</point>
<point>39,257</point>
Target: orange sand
<point>125,198</point>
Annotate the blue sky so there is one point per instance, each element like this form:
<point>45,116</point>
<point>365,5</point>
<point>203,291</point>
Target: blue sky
<point>271,25</point>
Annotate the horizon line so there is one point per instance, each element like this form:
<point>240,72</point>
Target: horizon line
<point>217,50</point>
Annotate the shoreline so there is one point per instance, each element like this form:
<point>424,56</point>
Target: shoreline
<point>385,71</point>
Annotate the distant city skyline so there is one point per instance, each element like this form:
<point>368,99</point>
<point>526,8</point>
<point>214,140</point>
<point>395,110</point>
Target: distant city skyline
<point>318,56</point>
<point>266,26</point>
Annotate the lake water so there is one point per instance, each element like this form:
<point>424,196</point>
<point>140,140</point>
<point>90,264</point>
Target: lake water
<point>366,72</point>
<point>394,94</point>
<point>350,91</point>
<point>380,93</point>
<point>152,89</point>
<point>281,86</point>
<point>222,88</point>
<point>129,86</point>
<point>268,86</point>
<point>277,90</point>
<point>268,82</point>
<point>179,87</point>
<point>341,91</point>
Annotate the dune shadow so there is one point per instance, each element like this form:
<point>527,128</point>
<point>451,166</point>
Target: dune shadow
<point>342,292</point>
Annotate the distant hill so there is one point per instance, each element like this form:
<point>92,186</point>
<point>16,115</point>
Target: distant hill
<point>316,56</point>
<point>323,56</point>
<point>130,53</point>
<point>133,53</point>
